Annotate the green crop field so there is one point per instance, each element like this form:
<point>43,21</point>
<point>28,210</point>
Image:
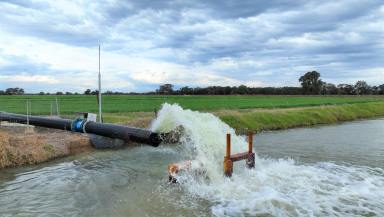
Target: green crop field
<point>68,104</point>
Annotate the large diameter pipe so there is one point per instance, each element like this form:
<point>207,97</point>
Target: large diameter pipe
<point>123,132</point>
<point>108,130</point>
<point>61,124</point>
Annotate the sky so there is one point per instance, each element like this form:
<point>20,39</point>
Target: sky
<point>53,45</point>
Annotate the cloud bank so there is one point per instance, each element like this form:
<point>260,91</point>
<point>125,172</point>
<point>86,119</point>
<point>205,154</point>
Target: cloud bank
<point>53,45</point>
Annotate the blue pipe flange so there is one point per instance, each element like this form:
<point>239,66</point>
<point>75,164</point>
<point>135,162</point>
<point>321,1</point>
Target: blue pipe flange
<point>77,125</point>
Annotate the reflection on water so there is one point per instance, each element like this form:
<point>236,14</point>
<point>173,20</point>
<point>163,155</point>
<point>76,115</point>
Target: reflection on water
<point>359,142</point>
<point>334,170</point>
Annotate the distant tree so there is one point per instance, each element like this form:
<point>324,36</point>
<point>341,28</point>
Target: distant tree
<point>68,93</point>
<point>165,89</point>
<point>87,92</point>
<point>345,89</point>
<point>108,92</point>
<point>14,91</point>
<point>186,90</point>
<point>199,91</point>
<point>242,89</point>
<point>374,90</point>
<point>328,89</point>
<point>311,82</point>
<point>381,89</point>
<point>211,90</point>
<point>41,93</point>
<point>323,90</point>
<point>289,91</point>
<point>227,90</point>
<point>10,91</point>
<point>361,88</point>
<point>95,92</point>
<point>234,90</point>
<point>2,92</point>
<point>59,93</point>
<point>214,90</point>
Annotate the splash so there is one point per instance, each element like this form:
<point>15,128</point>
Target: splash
<point>278,187</point>
<point>203,136</point>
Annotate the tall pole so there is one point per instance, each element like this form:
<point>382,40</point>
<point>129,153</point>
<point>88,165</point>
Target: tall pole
<point>27,111</point>
<point>57,108</point>
<point>100,117</point>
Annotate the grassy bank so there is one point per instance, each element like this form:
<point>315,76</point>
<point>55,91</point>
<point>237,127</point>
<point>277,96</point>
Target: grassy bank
<point>258,120</point>
<point>271,119</point>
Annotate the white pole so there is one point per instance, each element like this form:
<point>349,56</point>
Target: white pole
<point>27,111</point>
<point>57,108</point>
<point>100,117</point>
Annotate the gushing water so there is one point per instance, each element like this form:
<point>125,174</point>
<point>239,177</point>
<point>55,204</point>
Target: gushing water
<point>280,187</point>
<point>203,136</point>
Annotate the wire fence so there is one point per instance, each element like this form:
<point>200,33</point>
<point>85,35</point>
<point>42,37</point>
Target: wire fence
<point>58,106</point>
<point>32,107</point>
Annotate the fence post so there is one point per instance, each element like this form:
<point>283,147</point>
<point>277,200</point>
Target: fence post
<point>57,108</point>
<point>228,164</point>
<point>28,112</point>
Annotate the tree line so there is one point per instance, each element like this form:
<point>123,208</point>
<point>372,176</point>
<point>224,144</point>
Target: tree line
<point>311,84</point>
<point>12,91</point>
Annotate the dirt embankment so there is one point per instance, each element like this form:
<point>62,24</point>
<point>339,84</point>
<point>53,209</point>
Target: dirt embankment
<point>22,145</point>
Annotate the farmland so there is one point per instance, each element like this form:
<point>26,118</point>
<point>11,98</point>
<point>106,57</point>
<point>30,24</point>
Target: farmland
<point>241,112</point>
<point>68,104</point>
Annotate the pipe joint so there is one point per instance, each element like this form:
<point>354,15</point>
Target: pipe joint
<point>78,125</point>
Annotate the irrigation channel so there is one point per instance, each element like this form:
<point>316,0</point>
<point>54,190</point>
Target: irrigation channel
<point>333,170</point>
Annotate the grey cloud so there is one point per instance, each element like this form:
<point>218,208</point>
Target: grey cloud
<point>26,3</point>
<point>339,38</point>
<point>22,65</point>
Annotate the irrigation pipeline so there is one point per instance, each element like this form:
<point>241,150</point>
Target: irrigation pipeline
<point>124,133</point>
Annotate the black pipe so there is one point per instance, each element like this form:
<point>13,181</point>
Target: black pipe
<point>108,130</point>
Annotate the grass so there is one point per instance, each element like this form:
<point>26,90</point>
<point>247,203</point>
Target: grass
<point>240,112</point>
<point>289,118</point>
<point>41,105</point>
<point>271,119</point>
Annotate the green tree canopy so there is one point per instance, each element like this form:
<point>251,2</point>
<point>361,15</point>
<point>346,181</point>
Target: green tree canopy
<point>311,82</point>
<point>361,87</point>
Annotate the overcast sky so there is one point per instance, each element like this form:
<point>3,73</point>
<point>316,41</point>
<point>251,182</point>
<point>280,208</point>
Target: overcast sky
<point>53,45</point>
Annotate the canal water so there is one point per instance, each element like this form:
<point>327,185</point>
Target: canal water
<point>333,170</point>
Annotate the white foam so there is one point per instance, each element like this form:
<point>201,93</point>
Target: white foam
<point>276,187</point>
